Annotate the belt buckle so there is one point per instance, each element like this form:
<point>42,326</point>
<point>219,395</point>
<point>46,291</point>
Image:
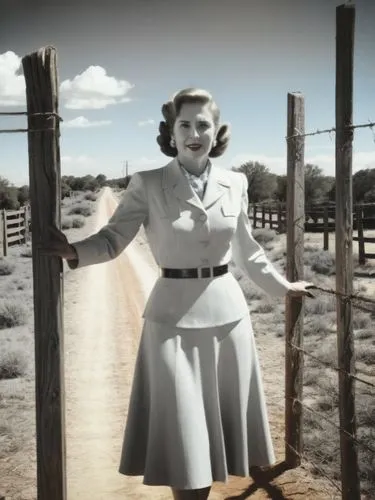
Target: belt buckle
<point>204,272</point>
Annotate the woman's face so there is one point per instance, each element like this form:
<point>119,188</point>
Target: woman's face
<point>194,130</point>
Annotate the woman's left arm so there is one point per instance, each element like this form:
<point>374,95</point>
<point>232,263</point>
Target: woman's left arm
<point>250,256</point>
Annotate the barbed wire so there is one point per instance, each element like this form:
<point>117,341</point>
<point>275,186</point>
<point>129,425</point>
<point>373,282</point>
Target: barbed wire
<point>303,456</point>
<point>48,114</point>
<point>349,297</point>
<point>328,420</point>
<point>331,130</point>
<point>329,365</point>
<point>16,130</point>
<point>25,113</point>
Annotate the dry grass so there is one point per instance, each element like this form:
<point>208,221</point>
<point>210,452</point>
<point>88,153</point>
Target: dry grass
<point>13,364</point>
<point>6,267</point>
<point>321,439</point>
<point>12,313</point>
<point>81,209</point>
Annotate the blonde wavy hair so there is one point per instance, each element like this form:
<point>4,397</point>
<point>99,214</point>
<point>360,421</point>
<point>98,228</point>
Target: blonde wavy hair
<point>171,111</point>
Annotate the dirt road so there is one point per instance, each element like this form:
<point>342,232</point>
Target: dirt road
<point>102,327</point>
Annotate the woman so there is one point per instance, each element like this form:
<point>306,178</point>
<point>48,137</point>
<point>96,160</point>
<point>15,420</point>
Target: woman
<point>197,411</point>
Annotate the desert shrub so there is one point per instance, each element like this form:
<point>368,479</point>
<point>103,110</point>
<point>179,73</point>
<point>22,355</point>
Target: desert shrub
<point>364,334</point>
<point>6,267</point>
<point>27,252</point>
<point>90,197</point>
<point>361,320</point>
<point>66,223</point>
<point>317,326</point>
<point>12,314</point>
<point>326,352</point>
<point>12,365</point>
<point>321,262</point>
<point>310,248</point>
<point>78,222</point>
<point>310,376</point>
<point>365,353</point>
<point>264,308</point>
<point>250,291</point>
<point>81,209</point>
<point>320,305</point>
<point>279,329</point>
<point>264,235</point>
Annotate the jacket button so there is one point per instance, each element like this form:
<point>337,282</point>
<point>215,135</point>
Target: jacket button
<point>203,217</point>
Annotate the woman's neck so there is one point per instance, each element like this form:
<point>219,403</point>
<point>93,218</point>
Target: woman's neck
<point>195,167</point>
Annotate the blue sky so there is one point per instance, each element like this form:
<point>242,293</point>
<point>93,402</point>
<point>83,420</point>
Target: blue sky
<point>118,62</point>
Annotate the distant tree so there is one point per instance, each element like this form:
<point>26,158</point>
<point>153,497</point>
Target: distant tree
<point>317,185</point>
<point>261,182</point>
<point>280,192</point>
<point>8,195</point>
<point>101,179</point>
<point>363,185</point>
<point>23,195</point>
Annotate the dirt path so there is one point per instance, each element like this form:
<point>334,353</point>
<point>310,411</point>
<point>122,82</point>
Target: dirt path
<point>102,326</point>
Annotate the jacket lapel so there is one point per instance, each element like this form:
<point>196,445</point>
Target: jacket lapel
<point>175,181</point>
<point>217,185</point>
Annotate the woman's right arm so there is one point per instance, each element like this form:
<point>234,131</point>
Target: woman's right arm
<point>114,237</point>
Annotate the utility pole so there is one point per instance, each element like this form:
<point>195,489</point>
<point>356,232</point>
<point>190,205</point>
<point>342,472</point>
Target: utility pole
<point>127,169</point>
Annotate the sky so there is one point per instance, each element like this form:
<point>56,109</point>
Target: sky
<point>118,62</point>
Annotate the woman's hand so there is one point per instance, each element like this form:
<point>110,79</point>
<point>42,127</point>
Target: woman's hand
<point>58,246</point>
<point>300,289</point>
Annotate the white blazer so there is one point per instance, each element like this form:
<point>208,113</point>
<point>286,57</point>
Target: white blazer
<point>185,232</point>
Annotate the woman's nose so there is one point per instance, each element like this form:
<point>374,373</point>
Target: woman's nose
<point>194,132</point>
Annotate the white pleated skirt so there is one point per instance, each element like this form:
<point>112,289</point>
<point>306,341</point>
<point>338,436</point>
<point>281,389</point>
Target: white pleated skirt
<point>197,410</point>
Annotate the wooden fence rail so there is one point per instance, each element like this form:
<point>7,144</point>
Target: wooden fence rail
<point>274,217</point>
<point>14,228</point>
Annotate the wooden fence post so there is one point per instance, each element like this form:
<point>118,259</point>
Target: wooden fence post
<point>254,216</point>
<point>345,19</point>
<point>263,216</point>
<point>295,218</point>
<point>325,229</point>
<point>5,232</point>
<point>361,240</point>
<point>44,164</point>
<point>279,218</point>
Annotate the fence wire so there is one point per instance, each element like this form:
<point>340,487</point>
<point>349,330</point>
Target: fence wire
<point>369,125</point>
<point>48,114</point>
<point>303,456</point>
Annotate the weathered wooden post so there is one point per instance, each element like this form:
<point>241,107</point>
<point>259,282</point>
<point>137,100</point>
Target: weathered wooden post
<point>325,229</point>
<point>345,20</point>
<point>263,216</point>
<point>254,216</point>
<point>295,218</point>
<point>4,232</point>
<point>44,172</point>
<point>361,239</point>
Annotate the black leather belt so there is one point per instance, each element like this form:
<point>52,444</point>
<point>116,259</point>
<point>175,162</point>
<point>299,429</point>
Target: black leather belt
<point>197,272</point>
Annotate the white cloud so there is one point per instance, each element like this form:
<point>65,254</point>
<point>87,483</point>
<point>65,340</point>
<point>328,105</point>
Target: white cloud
<point>12,84</point>
<point>94,89</point>
<point>146,122</point>
<point>82,122</point>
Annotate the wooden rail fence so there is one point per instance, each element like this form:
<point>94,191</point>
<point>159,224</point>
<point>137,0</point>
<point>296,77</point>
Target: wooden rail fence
<point>318,219</point>
<point>14,228</point>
